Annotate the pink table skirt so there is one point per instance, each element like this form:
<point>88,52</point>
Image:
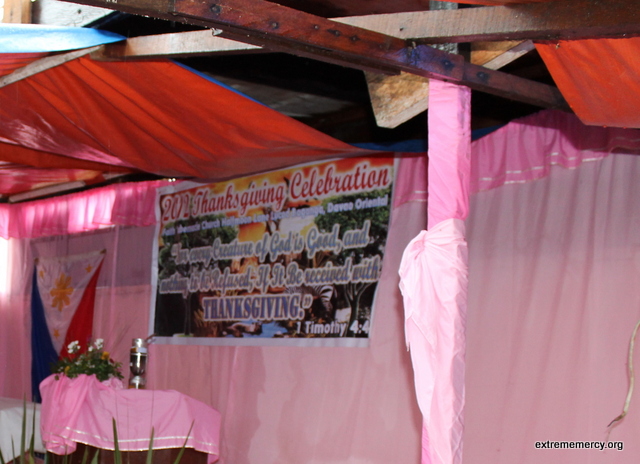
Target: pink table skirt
<point>81,410</point>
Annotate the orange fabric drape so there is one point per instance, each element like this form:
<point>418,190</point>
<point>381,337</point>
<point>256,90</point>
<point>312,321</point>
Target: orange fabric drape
<point>598,78</point>
<point>156,117</point>
<point>9,62</point>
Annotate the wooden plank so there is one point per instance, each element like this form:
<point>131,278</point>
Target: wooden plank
<point>180,44</point>
<point>396,99</point>
<point>575,19</point>
<point>15,11</point>
<point>279,28</point>
<point>483,52</point>
<point>284,29</point>
<point>43,64</point>
<point>493,59</point>
<point>504,2</point>
<point>55,12</point>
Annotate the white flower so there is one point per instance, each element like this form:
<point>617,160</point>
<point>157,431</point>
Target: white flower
<point>99,343</point>
<point>90,349</point>
<point>73,347</point>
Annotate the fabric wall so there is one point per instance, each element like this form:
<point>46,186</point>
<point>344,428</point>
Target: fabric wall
<point>279,405</point>
<point>553,299</point>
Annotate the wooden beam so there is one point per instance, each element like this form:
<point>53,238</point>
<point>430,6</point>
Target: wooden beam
<point>279,28</point>
<point>495,55</point>
<point>176,45</point>
<point>43,64</point>
<point>396,99</point>
<point>284,29</point>
<point>564,19</point>
<point>503,2</point>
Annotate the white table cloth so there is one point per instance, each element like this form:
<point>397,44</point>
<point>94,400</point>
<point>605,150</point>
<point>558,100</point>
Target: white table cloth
<point>11,412</point>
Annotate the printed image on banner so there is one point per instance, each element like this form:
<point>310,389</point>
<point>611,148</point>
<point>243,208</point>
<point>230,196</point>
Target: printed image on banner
<point>290,254</point>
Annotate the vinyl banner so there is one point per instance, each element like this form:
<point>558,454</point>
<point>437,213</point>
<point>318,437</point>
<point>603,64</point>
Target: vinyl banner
<point>287,257</point>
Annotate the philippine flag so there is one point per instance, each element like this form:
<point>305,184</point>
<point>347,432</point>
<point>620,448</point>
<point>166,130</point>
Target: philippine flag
<point>62,300</point>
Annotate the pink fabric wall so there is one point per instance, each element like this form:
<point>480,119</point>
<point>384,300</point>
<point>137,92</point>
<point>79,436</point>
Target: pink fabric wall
<point>527,148</point>
<point>553,299</point>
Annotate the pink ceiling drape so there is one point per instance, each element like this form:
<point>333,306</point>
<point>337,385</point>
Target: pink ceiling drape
<point>526,149</point>
<point>127,204</point>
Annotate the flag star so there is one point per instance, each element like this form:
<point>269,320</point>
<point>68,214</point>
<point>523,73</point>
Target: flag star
<point>89,268</point>
<point>61,292</point>
<point>56,333</point>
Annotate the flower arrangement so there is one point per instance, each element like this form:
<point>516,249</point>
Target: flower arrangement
<point>93,361</point>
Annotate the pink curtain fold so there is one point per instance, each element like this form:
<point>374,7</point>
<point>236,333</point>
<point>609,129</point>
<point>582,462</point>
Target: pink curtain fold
<point>434,280</point>
<point>411,181</point>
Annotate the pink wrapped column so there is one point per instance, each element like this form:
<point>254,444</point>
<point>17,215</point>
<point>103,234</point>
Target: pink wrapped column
<point>434,279</point>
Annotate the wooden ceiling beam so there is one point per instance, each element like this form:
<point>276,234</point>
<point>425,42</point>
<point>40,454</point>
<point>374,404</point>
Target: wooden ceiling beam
<point>43,64</point>
<point>284,29</point>
<point>175,45</point>
<point>556,20</point>
<point>396,99</point>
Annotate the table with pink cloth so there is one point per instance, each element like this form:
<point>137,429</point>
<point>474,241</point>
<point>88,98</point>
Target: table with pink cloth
<point>81,410</point>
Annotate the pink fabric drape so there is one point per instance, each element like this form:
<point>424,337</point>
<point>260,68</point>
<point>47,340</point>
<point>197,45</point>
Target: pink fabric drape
<point>411,182</point>
<point>283,405</point>
<point>434,278</point>
<point>279,405</point>
<point>130,204</point>
<point>553,299</point>
<point>449,151</point>
<point>527,148</point>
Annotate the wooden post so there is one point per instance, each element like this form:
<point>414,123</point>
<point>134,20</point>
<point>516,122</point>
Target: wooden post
<point>16,11</point>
